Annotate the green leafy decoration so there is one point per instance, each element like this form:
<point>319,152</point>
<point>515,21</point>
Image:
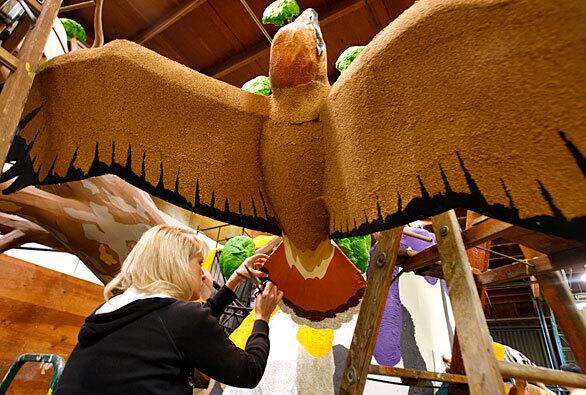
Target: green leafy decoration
<point>357,249</point>
<point>73,29</point>
<point>260,85</point>
<point>347,57</point>
<point>280,11</point>
<point>236,250</point>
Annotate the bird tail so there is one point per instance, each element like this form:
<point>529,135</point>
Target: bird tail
<point>322,288</point>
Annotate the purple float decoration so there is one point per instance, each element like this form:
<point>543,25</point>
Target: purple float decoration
<point>388,344</point>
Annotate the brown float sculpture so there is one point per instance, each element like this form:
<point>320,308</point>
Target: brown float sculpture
<point>458,103</point>
<point>99,220</point>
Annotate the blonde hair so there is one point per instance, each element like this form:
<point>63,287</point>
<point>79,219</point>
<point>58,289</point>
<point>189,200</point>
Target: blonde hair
<point>159,263</point>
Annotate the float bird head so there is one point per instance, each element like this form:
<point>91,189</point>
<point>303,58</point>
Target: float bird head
<point>298,53</point>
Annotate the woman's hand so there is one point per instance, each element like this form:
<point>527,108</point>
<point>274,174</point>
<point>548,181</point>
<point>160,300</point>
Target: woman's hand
<point>254,263</point>
<point>267,301</point>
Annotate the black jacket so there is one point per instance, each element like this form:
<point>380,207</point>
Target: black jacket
<point>150,346</point>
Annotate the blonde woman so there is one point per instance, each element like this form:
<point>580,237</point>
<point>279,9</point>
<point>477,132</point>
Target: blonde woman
<point>150,338</point>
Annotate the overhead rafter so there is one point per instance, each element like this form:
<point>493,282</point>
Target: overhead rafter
<point>261,50</point>
<point>544,264</point>
<point>77,6</point>
<point>491,229</point>
<point>168,20</point>
<point>372,16</point>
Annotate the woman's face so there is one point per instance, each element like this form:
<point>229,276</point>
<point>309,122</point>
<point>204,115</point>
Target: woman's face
<point>198,275</point>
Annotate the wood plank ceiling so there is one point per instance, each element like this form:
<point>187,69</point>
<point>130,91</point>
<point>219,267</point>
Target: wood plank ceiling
<point>220,38</point>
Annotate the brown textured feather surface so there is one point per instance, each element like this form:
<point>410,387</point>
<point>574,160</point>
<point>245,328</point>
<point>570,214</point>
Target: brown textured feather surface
<point>164,126</point>
<point>407,118</point>
<point>396,139</point>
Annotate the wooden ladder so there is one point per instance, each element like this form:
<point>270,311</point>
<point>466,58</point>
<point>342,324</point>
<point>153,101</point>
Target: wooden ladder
<point>17,86</point>
<point>483,372</point>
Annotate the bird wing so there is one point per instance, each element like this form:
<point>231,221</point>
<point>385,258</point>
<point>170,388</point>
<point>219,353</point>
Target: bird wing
<point>175,133</point>
<point>479,104</point>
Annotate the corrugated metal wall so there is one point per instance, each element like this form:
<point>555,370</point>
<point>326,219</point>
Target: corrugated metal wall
<point>528,341</point>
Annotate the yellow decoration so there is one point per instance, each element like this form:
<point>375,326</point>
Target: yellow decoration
<point>499,351</point>
<point>29,71</point>
<point>106,257</point>
<point>243,332</point>
<point>317,342</point>
<point>207,262</point>
<point>260,241</point>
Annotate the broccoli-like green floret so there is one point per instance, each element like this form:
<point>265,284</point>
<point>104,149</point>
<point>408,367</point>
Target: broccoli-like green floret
<point>357,249</point>
<point>236,250</point>
<point>73,29</point>
<point>280,11</point>
<point>348,57</point>
<point>260,85</point>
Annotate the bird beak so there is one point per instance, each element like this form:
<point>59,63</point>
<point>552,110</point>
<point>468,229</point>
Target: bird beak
<point>310,17</point>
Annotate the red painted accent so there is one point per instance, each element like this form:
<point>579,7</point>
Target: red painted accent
<point>341,287</point>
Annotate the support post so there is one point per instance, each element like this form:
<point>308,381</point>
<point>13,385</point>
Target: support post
<point>552,360</point>
<point>371,312</point>
<point>479,259</point>
<point>477,353</point>
<point>559,298</point>
<point>16,89</point>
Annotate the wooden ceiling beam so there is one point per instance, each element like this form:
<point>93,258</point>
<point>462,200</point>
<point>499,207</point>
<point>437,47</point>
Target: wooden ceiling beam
<point>515,296</point>
<point>77,6</point>
<point>224,68</point>
<point>167,21</point>
<point>489,230</point>
<point>503,302</point>
<point>520,270</point>
<point>484,231</point>
<point>240,60</point>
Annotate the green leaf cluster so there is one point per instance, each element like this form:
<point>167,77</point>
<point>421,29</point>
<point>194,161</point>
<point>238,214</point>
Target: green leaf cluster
<point>260,85</point>
<point>236,250</point>
<point>73,29</point>
<point>357,249</point>
<point>280,11</point>
<point>347,57</point>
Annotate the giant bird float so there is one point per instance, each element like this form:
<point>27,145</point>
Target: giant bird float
<point>478,104</point>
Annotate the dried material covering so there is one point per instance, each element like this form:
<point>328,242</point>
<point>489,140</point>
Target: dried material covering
<point>315,163</point>
<point>440,78</point>
<point>318,301</point>
<point>140,108</point>
<point>298,53</point>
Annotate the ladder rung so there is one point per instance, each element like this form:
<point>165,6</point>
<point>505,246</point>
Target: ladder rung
<point>392,371</point>
<point>507,369</point>
<point>8,59</point>
<point>34,5</point>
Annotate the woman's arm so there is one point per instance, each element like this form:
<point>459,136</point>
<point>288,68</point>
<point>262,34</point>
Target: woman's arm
<point>225,295</point>
<point>205,346</point>
<point>221,299</point>
<point>253,263</point>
